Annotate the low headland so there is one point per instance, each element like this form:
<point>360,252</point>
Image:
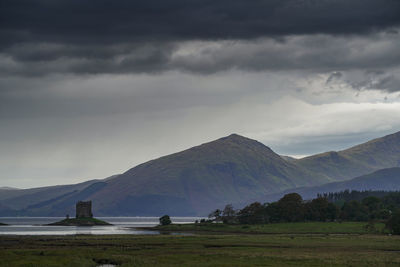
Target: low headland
<point>80,222</point>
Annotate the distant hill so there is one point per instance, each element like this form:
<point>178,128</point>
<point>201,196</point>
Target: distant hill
<point>362,159</point>
<point>41,192</point>
<point>21,201</point>
<point>192,182</point>
<point>8,188</point>
<point>385,179</point>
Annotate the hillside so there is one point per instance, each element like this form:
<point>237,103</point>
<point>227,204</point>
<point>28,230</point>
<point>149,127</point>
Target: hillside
<point>192,182</point>
<point>8,188</point>
<point>228,170</point>
<point>362,159</point>
<point>44,201</point>
<point>233,169</point>
<point>385,179</point>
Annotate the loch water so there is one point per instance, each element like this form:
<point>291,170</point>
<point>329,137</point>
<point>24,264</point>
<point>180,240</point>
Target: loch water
<point>121,225</point>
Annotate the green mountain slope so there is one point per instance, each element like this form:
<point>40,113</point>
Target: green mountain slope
<point>385,179</point>
<point>196,180</point>
<point>376,154</point>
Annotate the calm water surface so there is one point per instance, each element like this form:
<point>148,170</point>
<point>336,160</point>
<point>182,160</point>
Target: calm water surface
<point>121,225</point>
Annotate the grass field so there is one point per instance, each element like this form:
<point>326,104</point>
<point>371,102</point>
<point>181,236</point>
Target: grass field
<point>279,228</point>
<point>203,250</point>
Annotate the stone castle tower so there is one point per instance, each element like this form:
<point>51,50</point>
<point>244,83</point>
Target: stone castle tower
<point>84,209</point>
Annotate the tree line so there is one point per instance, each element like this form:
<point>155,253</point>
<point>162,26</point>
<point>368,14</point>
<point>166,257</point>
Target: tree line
<point>347,195</point>
<point>292,208</point>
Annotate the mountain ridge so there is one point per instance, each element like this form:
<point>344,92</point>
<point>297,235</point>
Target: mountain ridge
<point>379,153</point>
<point>232,169</point>
<point>383,179</point>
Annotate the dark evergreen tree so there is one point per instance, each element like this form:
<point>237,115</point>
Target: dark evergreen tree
<point>291,208</point>
<point>254,213</point>
<point>165,220</point>
<point>272,212</point>
<point>354,211</point>
<point>320,209</point>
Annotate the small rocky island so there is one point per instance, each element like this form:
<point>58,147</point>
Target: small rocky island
<point>84,217</point>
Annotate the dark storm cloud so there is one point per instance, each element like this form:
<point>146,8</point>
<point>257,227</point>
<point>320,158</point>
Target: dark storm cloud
<point>106,21</point>
<point>40,59</point>
<point>321,53</point>
<point>39,37</point>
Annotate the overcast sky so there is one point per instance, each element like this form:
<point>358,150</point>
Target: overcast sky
<point>89,89</point>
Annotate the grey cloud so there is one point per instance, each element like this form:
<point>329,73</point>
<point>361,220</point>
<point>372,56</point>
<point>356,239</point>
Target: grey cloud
<point>378,80</point>
<point>389,83</point>
<point>90,37</point>
<point>334,76</point>
<point>41,59</point>
<point>321,53</point>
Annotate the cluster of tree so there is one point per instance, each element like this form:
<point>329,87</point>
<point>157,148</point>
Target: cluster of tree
<point>292,208</point>
<point>365,205</point>
<point>347,195</point>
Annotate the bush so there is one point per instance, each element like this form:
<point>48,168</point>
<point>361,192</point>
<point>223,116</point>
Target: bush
<point>165,220</point>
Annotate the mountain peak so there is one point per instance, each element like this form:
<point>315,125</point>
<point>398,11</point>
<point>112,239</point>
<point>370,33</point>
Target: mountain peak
<point>234,136</point>
<point>237,138</point>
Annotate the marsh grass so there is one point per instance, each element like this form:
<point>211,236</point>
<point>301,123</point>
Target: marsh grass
<point>288,249</point>
<point>280,228</point>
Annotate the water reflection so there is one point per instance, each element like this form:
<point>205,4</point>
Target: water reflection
<point>70,230</point>
<point>121,225</point>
